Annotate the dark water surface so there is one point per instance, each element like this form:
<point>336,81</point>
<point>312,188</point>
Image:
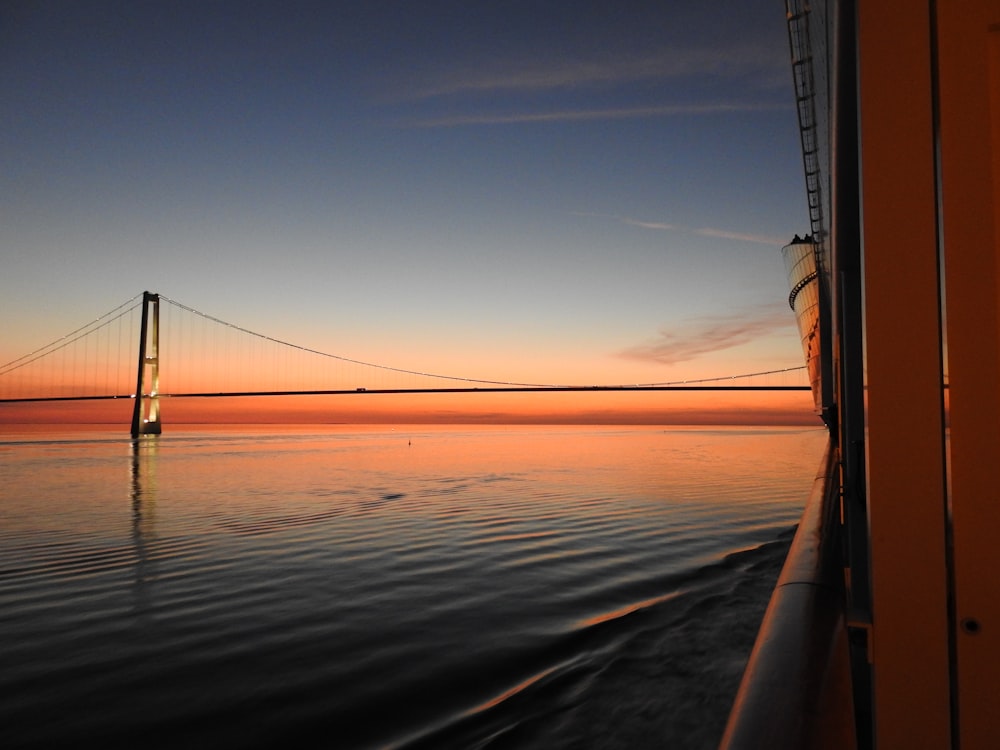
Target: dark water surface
<point>536,587</point>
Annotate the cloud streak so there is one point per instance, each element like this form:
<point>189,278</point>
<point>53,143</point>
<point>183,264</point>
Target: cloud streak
<point>621,113</point>
<point>658,225</point>
<point>760,239</point>
<point>739,60</point>
<point>707,335</point>
<point>663,226</point>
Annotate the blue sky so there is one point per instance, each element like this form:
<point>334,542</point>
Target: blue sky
<point>511,190</point>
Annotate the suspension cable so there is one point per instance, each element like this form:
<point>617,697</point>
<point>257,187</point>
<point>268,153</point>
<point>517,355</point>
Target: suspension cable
<point>479,381</point>
<point>69,338</point>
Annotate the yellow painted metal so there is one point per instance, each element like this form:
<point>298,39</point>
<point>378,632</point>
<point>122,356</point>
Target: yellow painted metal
<point>905,450</point>
<point>969,147</point>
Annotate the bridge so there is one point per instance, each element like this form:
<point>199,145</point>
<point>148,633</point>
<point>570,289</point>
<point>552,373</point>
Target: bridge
<point>118,356</point>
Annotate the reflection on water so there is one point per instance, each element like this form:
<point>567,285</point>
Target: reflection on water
<point>142,483</point>
<point>539,585</point>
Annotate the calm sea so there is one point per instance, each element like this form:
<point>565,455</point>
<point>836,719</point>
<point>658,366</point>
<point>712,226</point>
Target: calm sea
<point>459,587</point>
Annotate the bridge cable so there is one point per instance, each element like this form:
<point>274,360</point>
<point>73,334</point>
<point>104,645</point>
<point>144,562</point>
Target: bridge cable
<point>69,338</point>
<point>456,377</point>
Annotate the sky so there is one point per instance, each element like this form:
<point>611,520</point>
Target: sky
<point>583,192</point>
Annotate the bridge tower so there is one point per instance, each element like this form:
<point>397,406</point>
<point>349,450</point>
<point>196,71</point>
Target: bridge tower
<point>146,413</point>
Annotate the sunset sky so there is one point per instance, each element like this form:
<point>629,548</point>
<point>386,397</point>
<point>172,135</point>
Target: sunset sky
<point>529,191</point>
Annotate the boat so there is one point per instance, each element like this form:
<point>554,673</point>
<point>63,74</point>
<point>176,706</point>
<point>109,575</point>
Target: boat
<point>884,628</point>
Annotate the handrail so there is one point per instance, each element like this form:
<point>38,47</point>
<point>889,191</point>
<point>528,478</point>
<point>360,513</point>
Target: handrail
<point>796,689</point>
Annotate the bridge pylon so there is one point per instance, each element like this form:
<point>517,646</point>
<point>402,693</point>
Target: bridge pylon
<point>146,413</point>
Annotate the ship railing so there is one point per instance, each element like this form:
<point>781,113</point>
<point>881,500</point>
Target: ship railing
<point>796,689</point>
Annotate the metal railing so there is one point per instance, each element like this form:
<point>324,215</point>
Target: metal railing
<point>796,690</point>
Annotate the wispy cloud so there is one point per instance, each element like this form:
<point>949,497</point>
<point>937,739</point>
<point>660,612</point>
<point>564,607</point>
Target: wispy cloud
<point>740,60</point>
<point>626,113</point>
<point>711,334</point>
<point>761,239</point>
<point>646,224</point>
<point>725,234</point>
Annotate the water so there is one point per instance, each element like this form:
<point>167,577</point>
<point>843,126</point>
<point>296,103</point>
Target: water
<point>399,588</point>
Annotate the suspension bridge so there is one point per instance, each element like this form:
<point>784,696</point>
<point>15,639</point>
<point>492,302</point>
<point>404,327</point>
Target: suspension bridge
<point>118,356</point>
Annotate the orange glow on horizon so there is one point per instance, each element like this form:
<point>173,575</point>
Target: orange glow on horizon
<point>669,407</point>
